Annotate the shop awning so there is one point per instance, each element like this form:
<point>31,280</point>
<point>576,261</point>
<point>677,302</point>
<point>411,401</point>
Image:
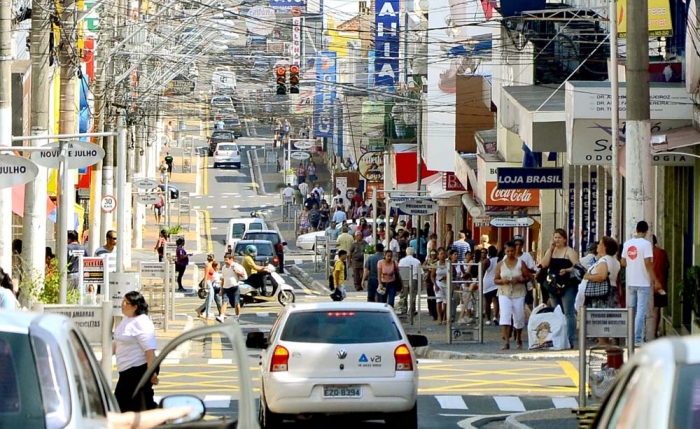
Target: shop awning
<point>675,139</point>
<point>672,148</point>
<point>18,202</point>
<point>405,163</point>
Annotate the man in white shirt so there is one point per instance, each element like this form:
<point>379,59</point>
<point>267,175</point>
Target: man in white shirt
<point>288,193</point>
<point>231,273</point>
<point>411,262</point>
<point>318,190</point>
<point>304,188</point>
<point>637,256</point>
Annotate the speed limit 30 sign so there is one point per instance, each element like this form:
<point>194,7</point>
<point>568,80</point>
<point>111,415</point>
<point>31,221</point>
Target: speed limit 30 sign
<point>108,204</point>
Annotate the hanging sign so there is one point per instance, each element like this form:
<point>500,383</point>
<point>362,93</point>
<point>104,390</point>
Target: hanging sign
<point>530,178</point>
<point>512,222</point>
<point>16,170</point>
<point>148,199</point>
<point>300,155</point>
<point>145,183</point>
<point>303,144</point>
<point>418,207</point>
<point>79,154</point>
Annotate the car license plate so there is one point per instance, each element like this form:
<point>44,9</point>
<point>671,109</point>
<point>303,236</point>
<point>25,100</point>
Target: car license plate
<point>342,391</point>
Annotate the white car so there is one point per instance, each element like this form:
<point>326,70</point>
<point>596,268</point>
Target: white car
<point>308,241</point>
<point>657,388</point>
<point>338,358</point>
<point>227,153</point>
<point>222,102</point>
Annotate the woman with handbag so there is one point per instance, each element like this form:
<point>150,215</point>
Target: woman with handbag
<point>601,278</point>
<point>559,262</point>
<point>511,276</point>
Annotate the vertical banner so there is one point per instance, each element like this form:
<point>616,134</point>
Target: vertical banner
<point>609,213</point>
<point>572,212</point>
<point>585,220</point>
<point>386,61</point>
<point>370,75</point>
<point>592,233</point>
<point>296,40</point>
<point>325,94</point>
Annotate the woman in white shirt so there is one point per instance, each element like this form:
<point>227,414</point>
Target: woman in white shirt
<point>8,299</point>
<point>490,290</point>
<point>134,346</point>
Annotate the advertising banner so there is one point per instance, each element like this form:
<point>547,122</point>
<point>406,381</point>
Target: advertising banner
<point>660,24</point>
<point>511,197</point>
<point>288,4</point>
<point>594,208</point>
<point>531,178</point>
<point>608,212</point>
<point>585,213</point>
<point>325,95</point>
<point>92,274</point>
<point>296,41</point>
<point>386,61</point>
<point>572,212</point>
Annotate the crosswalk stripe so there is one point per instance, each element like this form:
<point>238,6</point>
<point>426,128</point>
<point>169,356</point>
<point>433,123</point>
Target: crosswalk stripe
<point>217,401</point>
<point>509,403</point>
<point>220,361</point>
<point>452,402</point>
<point>568,402</point>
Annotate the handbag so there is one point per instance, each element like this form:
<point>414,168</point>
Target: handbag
<point>203,291</point>
<point>597,289</point>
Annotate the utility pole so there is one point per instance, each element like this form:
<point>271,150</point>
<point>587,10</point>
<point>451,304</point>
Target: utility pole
<point>66,125</point>
<point>6,129</point>
<point>35,194</point>
<point>615,123</point>
<point>638,183</point>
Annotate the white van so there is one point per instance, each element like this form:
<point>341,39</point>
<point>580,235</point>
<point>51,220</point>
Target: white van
<point>237,227</point>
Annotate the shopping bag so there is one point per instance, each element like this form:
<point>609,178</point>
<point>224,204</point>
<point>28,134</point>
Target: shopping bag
<point>547,330</point>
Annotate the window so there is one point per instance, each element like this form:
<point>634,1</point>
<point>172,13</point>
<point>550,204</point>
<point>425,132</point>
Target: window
<point>87,381</point>
<point>255,226</point>
<point>686,404</point>
<point>237,230</point>
<point>227,147</point>
<point>264,249</point>
<point>273,238</point>
<point>341,327</point>
<point>53,380</point>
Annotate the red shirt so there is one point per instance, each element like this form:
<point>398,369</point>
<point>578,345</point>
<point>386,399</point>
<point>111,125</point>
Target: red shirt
<point>661,265</point>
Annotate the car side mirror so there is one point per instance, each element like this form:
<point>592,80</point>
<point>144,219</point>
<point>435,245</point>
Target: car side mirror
<point>189,401</point>
<point>256,340</point>
<point>417,340</point>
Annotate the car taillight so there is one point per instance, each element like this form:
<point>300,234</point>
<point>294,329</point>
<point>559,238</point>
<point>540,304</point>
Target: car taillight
<point>275,260</point>
<point>280,360</point>
<point>404,361</point>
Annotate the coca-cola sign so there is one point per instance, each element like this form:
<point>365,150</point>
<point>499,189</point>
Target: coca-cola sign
<point>511,197</point>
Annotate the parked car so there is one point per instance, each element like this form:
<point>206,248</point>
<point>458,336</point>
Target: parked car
<point>266,252</point>
<point>273,237</point>
<point>174,192</point>
<point>50,377</point>
<point>223,102</point>
<point>227,153</point>
<point>344,358</point>
<point>657,388</point>
<point>238,226</point>
<point>220,136</point>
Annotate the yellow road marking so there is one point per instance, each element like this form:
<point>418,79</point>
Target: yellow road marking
<point>205,175</point>
<point>207,231</point>
<point>570,370</point>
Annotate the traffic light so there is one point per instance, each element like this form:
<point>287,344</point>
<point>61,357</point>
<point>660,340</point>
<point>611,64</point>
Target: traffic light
<point>294,79</point>
<point>281,74</point>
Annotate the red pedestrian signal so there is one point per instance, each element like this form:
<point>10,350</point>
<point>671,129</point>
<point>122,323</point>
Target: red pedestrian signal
<point>281,74</point>
<point>294,79</point>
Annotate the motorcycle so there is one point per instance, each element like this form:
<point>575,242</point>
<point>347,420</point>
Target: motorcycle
<point>283,292</point>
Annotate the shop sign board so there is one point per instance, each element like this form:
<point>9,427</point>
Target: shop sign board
<point>152,270</point>
<point>92,273</point>
<point>16,170</point>
<point>79,154</point>
<point>512,222</point>
<point>88,318</point>
<point>148,199</point>
<point>511,197</point>
<point>606,323</point>
<point>145,183</point>
<point>119,285</point>
<point>450,182</point>
<point>481,221</point>
<point>531,178</point>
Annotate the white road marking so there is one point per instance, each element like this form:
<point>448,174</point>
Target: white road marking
<point>169,361</point>
<point>451,402</point>
<point>262,314</point>
<point>509,403</point>
<point>220,361</point>
<point>429,361</point>
<point>568,402</point>
<point>210,207</point>
<point>217,401</point>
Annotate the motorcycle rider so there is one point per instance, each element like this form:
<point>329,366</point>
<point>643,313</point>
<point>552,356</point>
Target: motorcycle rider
<point>256,273</point>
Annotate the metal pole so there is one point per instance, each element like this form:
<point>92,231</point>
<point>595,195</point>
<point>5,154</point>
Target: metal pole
<point>480,300</point>
<point>639,179</point>
<point>167,201</point>
<point>411,302</point>
<point>106,362</point>
<point>387,201</point>
<point>166,293</point>
<point>420,291</point>
<point>172,293</point>
<point>374,215</point>
<point>405,49</point>
<point>448,302</point>
<point>630,332</point>
<point>582,377</point>
<point>614,122</point>
<point>5,128</point>
<point>122,202</point>
<point>62,234</point>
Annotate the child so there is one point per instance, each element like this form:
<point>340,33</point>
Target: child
<point>339,274</point>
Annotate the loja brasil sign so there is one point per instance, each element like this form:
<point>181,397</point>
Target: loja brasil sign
<point>79,154</point>
<point>511,197</point>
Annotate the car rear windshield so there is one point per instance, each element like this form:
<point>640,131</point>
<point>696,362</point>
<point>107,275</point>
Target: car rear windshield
<point>686,404</point>
<point>341,327</point>
<point>264,249</point>
<point>269,236</point>
<point>222,136</point>
<point>237,230</point>
<point>227,147</point>
<point>23,388</point>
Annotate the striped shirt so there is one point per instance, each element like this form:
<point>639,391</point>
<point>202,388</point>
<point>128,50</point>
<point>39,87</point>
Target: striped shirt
<point>462,248</point>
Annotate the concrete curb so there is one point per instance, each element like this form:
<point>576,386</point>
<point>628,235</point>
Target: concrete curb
<point>431,353</point>
<point>306,279</point>
<point>513,423</point>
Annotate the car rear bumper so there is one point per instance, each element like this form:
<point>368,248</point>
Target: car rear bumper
<point>227,160</point>
<point>296,396</point>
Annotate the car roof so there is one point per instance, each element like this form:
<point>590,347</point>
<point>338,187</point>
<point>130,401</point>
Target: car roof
<point>338,306</point>
<point>264,231</point>
<point>681,350</point>
<point>246,220</point>
<point>247,242</point>
<point>20,321</point>
<point>227,144</point>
